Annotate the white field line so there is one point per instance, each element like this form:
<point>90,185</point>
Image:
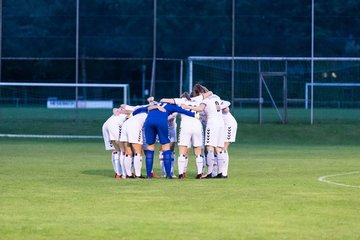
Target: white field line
<point>323,179</point>
<point>46,136</point>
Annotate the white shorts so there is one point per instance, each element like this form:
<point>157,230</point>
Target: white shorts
<point>172,134</point>
<point>191,136</point>
<point>131,132</point>
<point>230,132</point>
<point>110,132</point>
<point>214,136</point>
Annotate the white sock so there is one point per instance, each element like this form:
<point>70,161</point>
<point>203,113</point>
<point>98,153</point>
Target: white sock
<point>221,162</point>
<point>186,164</point>
<point>161,156</point>
<point>137,164</point>
<point>162,167</point>
<point>122,165</point>
<point>116,162</point>
<point>204,162</point>
<point>181,164</point>
<point>132,165</point>
<point>113,160</point>
<point>226,163</point>
<point>215,168</point>
<point>128,163</point>
<point>210,161</point>
<point>199,164</point>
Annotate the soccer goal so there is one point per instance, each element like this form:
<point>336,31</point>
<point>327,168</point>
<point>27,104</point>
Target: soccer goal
<point>66,110</point>
<point>340,94</point>
<point>272,89</point>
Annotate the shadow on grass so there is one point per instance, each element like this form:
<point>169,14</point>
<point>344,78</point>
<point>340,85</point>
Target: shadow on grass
<point>99,172</point>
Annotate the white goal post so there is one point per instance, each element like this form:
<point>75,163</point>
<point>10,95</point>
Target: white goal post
<point>119,92</point>
<point>125,87</point>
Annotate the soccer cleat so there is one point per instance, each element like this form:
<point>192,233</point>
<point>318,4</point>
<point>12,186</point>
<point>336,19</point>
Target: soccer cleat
<point>198,176</point>
<point>117,175</point>
<point>130,176</point>
<point>169,177</point>
<point>141,176</point>
<point>206,176</point>
<point>181,176</point>
<point>154,175</point>
<point>219,175</point>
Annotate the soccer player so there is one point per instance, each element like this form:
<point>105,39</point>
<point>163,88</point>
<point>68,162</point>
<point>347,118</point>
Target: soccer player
<point>190,134</point>
<point>230,136</point>
<point>111,133</point>
<point>132,138</point>
<point>156,124</point>
<point>214,132</point>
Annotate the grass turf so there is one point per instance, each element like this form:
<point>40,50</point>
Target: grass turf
<point>64,189</point>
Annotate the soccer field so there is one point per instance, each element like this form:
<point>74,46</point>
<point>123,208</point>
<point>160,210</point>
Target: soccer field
<point>64,189</point>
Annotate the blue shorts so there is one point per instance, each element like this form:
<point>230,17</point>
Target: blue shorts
<point>155,127</point>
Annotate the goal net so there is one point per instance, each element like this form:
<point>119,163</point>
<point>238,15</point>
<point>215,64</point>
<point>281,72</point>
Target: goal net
<point>65,110</point>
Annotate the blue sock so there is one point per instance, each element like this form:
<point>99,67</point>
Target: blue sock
<point>149,162</point>
<point>167,162</point>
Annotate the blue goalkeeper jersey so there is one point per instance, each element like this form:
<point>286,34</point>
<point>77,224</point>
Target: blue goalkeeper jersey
<point>156,122</point>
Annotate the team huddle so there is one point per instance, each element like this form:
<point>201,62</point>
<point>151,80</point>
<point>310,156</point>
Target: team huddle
<point>132,130</point>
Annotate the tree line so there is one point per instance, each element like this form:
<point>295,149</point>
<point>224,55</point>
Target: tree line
<point>124,28</point>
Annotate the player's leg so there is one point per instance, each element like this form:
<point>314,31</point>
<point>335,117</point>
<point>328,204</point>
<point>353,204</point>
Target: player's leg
<point>135,139</point>
<point>111,136</point>
<point>161,162</point>
<point>162,130</point>
<point>184,143</point>
<point>124,147</point>
<point>221,155</point>
<point>231,131</point>
<point>122,157</point>
<point>210,144</point>
<point>150,135</point>
<point>172,148</point>
<point>167,159</point>
<point>137,158</point>
<point>115,158</point>
<point>128,160</point>
<point>199,161</point>
<point>197,140</point>
<point>182,160</point>
<point>226,159</point>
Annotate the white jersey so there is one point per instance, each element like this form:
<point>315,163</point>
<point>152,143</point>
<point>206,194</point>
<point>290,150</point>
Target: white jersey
<point>213,111</point>
<point>214,132</point>
<point>111,130</point>
<point>191,131</point>
<point>230,127</point>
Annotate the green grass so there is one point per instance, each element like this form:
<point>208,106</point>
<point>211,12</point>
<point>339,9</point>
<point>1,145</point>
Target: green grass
<point>64,189</point>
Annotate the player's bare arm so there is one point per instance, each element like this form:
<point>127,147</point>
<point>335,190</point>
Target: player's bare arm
<point>199,108</point>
